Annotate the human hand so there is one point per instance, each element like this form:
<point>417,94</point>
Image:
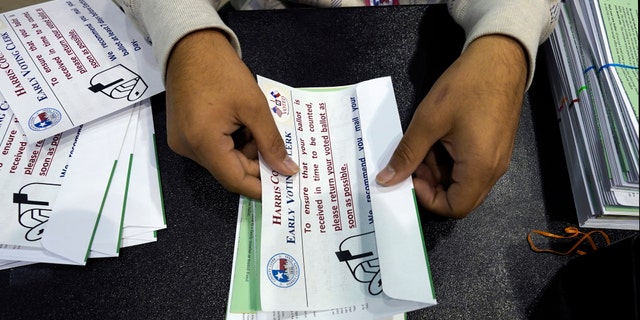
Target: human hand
<point>460,140</point>
<point>217,115</point>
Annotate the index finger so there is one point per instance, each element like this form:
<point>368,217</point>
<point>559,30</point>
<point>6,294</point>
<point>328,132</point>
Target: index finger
<point>231,167</point>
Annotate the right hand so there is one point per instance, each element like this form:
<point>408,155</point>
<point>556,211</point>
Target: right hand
<point>461,137</point>
<point>217,115</point>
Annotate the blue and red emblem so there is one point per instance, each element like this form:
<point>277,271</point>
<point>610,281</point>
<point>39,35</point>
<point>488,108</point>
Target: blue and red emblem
<point>44,119</point>
<point>283,270</point>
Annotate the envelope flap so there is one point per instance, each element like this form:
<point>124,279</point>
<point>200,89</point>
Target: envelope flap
<point>403,262</point>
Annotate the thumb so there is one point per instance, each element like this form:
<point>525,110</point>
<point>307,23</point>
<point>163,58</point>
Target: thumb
<point>409,153</point>
<point>270,144</point>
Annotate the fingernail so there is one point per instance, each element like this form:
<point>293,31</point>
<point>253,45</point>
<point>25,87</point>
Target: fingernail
<point>385,175</point>
<point>291,165</point>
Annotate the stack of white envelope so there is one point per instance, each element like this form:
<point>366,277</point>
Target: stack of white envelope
<point>79,174</point>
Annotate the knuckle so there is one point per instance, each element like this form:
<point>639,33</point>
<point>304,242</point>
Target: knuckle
<point>230,185</point>
<point>185,143</point>
<point>275,144</point>
<point>459,213</point>
<point>492,169</point>
<point>174,145</point>
<point>404,153</point>
<point>502,167</point>
<point>461,209</point>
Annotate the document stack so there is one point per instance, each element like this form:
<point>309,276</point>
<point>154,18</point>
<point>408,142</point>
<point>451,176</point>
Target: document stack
<point>79,176</point>
<point>593,67</point>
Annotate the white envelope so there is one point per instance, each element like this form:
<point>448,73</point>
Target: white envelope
<point>69,233</point>
<point>133,209</point>
<point>139,239</point>
<point>106,240</point>
<point>33,255</point>
<point>390,261</point>
<point>403,256</point>
<point>144,212</point>
<point>6,264</point>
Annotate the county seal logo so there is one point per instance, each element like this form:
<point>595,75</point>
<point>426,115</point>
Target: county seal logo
<point>283,270</point>
<point>44,119</point>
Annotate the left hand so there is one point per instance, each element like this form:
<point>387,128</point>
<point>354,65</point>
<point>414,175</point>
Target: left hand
<point>218,116</point>
<point>460,140</point>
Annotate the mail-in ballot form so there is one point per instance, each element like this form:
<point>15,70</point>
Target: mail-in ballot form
<point>65,63</point>
<point>32,175</point>
<point>329,237</point>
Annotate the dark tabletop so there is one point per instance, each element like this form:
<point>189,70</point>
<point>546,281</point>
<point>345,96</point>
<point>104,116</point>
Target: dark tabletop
<point>482,265</point>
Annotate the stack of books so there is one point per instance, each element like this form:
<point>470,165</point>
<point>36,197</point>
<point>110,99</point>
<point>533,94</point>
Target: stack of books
<point>592,58</point>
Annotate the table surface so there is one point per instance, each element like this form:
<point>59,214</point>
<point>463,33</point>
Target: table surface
<point>482,265</point>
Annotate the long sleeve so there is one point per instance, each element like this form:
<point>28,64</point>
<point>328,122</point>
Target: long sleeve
<point>165,22</point>
<point>528,21</point>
